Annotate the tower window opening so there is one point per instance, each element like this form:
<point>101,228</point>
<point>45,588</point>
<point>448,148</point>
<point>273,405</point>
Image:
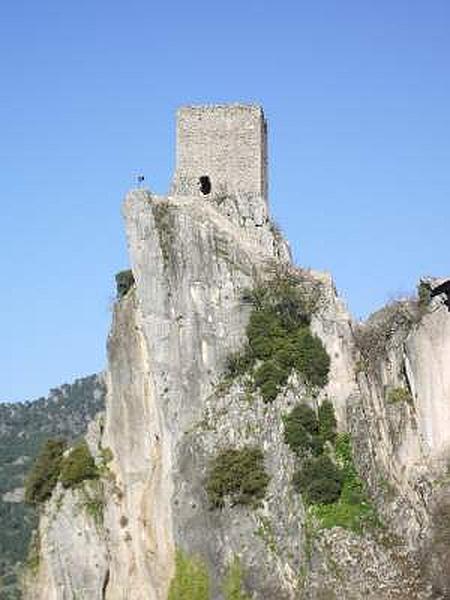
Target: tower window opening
<point>205,185</point>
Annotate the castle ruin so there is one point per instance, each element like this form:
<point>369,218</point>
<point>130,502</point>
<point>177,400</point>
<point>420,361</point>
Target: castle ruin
<point>221,150</point>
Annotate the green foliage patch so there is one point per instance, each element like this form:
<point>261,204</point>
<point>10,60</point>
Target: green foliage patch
<point>398,395</point>
<point>238,475</point>
<point>326,476</point>
<point>92,500</point>
<point>232,585</point>
<point>124,282</point>
<point>353,509</point>
<point>319,480</point>
<point>279,339</point>
<point>327,422</point>
<point>301,431</point>
<point>78,466</point>
<point>423,295</point>
<point>44,474</point>
<point>305,432</point>
<point>191,579</point>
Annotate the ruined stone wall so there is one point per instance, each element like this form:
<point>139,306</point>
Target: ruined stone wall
<point>227,144</point>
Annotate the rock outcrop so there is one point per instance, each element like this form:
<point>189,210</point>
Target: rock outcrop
<point>169,412</point>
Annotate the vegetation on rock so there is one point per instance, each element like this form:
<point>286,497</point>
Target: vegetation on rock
<point>166,232</point>
<point>33,557</point>
<point>424,295</point>
<point>327,422</point>
<point>232,585</point>
<point>24,428</point>
<point>319,480</point>
<point>93,501</point>
<point>374,337</point>
<point>301,431</point>
<point>353,509</point>
<point>305,432</point>
<point>326,476</point>
<point>124,282</point>
<point>279,338</point>
<point>237,475</point>
<point>191,579</point>
<point>399,395</point>
<point>78,466</point>
<point>44,474</point>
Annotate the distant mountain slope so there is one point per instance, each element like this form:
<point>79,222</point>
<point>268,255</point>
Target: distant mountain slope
<point>66,413</point>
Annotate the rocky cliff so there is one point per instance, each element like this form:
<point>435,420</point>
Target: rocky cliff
<point>65,412</point>
<point>192,390</point>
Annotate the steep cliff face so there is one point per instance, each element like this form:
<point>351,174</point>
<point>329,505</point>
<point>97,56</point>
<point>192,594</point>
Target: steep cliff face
<point>399,416</point>
<point>171,411</point>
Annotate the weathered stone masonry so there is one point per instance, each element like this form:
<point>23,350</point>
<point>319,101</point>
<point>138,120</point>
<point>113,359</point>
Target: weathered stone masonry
<point>226,145</point>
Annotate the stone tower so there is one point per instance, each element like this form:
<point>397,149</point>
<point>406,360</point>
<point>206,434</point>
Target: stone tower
<point>221,151</point>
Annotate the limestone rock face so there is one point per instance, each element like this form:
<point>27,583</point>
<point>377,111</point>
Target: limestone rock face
<point>69,557</point>
<point>164,419</point>
<point>168,413</point>
<point>400,415</point>
<point>427,360</point>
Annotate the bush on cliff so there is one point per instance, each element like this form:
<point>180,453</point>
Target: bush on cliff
<point>326,475</point>
<point>353,509</point>
<point>301,431</point>
<point>305,432</point>
<point>124,282</point>
<point>280,340</point>
<point>319,480</point>
<point>238,475</point>
<point>44,474</point>
<point>399,395</point>
<point>327,422</point>
<point>191,579</point>
<point>78,466</point>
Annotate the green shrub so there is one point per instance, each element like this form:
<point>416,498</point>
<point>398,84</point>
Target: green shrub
<point>353,510</point>
<point>45,472</point>
<point>301,431</point>
<point>264,332</point>
<point>311,358</point>
<point>269,377</point>
<point>124,282</point>
<point>238,364</point>
<point>327,422</point>
<point>94,506</point>
<point>353,516</point>
<point>78,466</point>
<point>239,475</point>
<point>279,339</point>
<point>293,300</point>
<point>399,395</point>
<point>319,480</point>
<point>191,579</point>
<point>232,585</point>
<point>424,295</point>
<point>333,489</point>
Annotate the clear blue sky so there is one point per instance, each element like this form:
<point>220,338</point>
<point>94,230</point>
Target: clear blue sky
<point>357,94</point>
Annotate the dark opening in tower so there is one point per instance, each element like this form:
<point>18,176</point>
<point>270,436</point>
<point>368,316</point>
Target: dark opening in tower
<point>205,185</point>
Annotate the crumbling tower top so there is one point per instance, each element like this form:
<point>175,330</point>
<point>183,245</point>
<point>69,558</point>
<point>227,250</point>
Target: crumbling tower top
<point>221,150</point>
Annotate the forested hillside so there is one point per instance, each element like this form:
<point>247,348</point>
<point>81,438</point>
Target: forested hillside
<point>65,413</point>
